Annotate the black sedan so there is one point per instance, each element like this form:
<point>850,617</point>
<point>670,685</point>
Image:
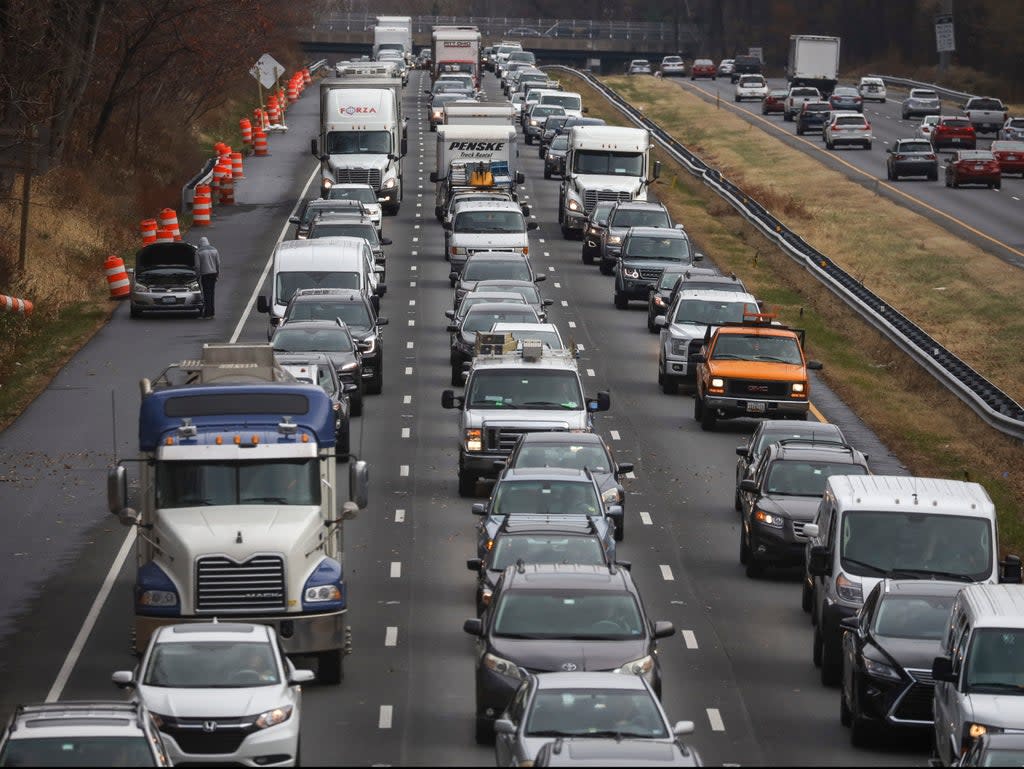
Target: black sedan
<point>333,338</point>
<point>911,157</point>
<point>888,648</point>
<point>554,157</point>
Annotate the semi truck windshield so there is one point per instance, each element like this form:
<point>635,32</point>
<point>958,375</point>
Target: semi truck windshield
<point>273,482</point>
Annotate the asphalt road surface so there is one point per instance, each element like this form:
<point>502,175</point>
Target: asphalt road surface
<point>994,219</point>
<point>740,665</point>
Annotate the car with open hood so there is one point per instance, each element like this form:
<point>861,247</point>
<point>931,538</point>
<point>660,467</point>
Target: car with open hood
<point>165,279</point>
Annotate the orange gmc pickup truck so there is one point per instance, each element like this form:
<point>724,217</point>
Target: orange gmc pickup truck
<point>752,369</point>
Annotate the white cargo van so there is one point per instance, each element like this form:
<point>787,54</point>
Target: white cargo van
<point>873,526</point>
<point>979,680</point>
<point>493,225</point>
<point>335,262</point>
<point>571,102</point>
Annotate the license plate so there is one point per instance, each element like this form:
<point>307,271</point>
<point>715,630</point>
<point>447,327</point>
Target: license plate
<point>756,407</point>
<point>1011,157</point>
<point>979,166</point>
<point>168,300</point>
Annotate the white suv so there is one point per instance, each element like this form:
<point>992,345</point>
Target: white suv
<point>751,87</point>
<point>872,88</point>
<point>847,128</point>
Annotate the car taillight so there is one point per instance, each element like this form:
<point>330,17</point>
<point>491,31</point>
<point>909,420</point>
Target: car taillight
<point>867,126</point>
<point>897,157</point>
<point>930,156</point>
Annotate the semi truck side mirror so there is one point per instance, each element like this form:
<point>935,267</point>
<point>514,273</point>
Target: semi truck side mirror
<point>117,489</point>
<point>520,177</point>
<point>405,146</point>
<point>359,483</point>
<point>433,177</point>
<point>313,148</point>
<point>1011,570</point>
<point>657,168</point>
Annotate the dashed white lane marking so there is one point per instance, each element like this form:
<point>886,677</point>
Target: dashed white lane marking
<point>1014,197</point>
<point>391,636</point>
<point>631,474</point>
<point>403,471</point>
<point>399,516</point>
<point>590,372</point>
<point>412,302</point>
<point>717,724</point>
<point>558,285</point>
<point>565,303</point>
<point>415,240</point>
<point>414,253</point>
<point>666,572</point>
<point>396,569</point>
<point>413,267</point>
<point>409,345</point>
<point>615,435</point>
<point>548,253</point>
<point>412,321</point>
<point>550,268</point>
<point>540,240</point>
<point>415,226</point>
<point>406,399</point>
<point>405,432</point>
<point>645,518</point>
<point>580,348</point>
<point>690,639</point>
<point>408,370</point>
<point>572,324</point>
<point>386,716</point>
<point>412,284</point>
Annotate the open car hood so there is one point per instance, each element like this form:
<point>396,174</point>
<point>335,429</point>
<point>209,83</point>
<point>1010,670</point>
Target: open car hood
<point>157,255</point>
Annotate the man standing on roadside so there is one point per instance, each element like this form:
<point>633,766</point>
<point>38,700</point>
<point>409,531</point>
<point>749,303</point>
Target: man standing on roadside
<point>208,262</point>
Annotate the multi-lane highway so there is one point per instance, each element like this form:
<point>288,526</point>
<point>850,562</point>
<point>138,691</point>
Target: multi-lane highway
<point>740,665</point>
<point>994,219</point>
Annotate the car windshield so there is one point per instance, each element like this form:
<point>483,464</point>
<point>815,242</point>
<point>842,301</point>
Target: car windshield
<point>817,106</point>
<point>975,156</point>
<point>923,617</point>
<point>850,120</point>
<point>545,548</point>
<point>750,82</point>
<point>1007,146</point>
<point>921,146</point>
<point>290,282</point>
<point>78,751</point>
<point>779,349</point>
<point>805,92</point>
<point>575,456</point>
<point>358,143</point>
<point>672,60</point>
<point>362,194</point>
<point>608,163</point>
<point>482,320</point>
<point>549,497</point>
<point>569,615</point>
<point>1016,122</point>
<point>481,222</point>
<point>312,374</point>
<point>956,122</point>
<point>568,101</point>
<point>602,209</point>
<point>494,269</point>
<point>994,661</point>
<point>312,212</point>
<point>669,249</point>
<point>327,339</point>
<point>821,432</point>
<point>365,231</point>
<point>472,299</point>
<point>211,665</point>
<point>990,104</point>
<point>668,279</point>
<point>203,484</point>
<point>705,312</point>
<point>805,478</point>
<point>849,92</point>
<point>640,218</point>
<point>529,292</point>
<point>543,110</point>
<point>353,314</point>
<point>517,388</point>
<point>877,543</point>
<point>924,95</point>
<point>560,142</point>
<point>591,712</point>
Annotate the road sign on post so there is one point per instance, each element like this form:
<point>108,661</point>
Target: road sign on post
<point>945,41</point>
<point>267,70</point>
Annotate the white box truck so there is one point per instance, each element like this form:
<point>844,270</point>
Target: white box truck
<point>814,61</point>
<point>462,148</point>
<point>480,113</point>
<point>457,49</point>
<point>402,22</point>
<point>390,39</point>
<point>603,163</point>
<point>362,136</point>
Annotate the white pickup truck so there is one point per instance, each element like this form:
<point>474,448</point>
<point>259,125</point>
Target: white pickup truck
<point>799,94</point>
<point>986,114</point>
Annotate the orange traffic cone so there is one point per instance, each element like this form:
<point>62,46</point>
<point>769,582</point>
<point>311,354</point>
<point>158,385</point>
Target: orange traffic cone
<point>117,278</point>
<point>237,170</point>
<point>169,221</point>
<point>246,126</point>
<point>293,91</point>
<point>165,236</point>
<point>260,143</point>
<point>148,228</point>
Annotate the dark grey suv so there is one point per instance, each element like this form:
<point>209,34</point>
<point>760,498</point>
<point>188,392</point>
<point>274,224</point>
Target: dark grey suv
<point>547,618</point>
<point>622,216</point>
<point>646,252</point>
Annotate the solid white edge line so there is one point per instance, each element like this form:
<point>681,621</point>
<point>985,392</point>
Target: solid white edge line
<point>391,636</point>
<point>90,619</point>
<point>399,515</point>
<point>386,717</point>
<point>396,569</point>
<point>270,259</point>
<point>717,724</point>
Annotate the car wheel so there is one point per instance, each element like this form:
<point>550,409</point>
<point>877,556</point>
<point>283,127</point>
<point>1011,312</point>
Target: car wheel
<point>330,669</point>
<point>484,732</point>
<point>736,99</point>
<point>806,597</point>
<point>862,732</point>
<point>357,405</point>
<point>998,185</point>
<point>547,173</point>
<point>933,176</point>
<point>566,233</point>
<point>620,528</point>
<point>698,406</point>
<point>605,268</point>
<point>393,209</point>
<point>540,152</point>
<point>467,484</point>
<point>755,569</point>
<point>956,183</point>
<point>844,709</point>
<point>669,386</point>
<point>831,664</point>
<point>905,116</point>
<point>376,385</point>
<point>621,302</point>
<point>787,117</point>
<point>134,312</point>
<point>816,645</point>
<point>529,139</point>
<point>588,257</point>
<point>799,130</point>
<point>829,145</point>
<point>650,324</point>
<point>744,548</point>
<point>708,418</point>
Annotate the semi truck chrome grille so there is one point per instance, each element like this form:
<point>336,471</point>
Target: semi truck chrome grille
<point>255,585</point>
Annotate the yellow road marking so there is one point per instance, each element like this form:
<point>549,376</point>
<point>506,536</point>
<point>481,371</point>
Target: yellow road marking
<point>817,414</point>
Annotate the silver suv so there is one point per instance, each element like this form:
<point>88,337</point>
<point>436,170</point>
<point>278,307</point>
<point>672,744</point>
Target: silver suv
<point>82,734</point>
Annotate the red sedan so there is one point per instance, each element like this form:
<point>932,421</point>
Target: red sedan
<point>775,101</point>
<point>954,132</point>
<point>1010,155</point>
<point>703,68</point>
<point>973,167</point>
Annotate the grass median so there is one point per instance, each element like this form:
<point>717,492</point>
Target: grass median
<point>963,296</point>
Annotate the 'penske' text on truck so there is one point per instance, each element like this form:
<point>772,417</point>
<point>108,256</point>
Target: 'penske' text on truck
<point>461,146</point>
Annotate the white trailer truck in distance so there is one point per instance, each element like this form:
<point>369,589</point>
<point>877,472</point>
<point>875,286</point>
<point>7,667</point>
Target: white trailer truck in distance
<point>814,61</point>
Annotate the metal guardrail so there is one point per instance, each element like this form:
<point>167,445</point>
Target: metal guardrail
<point>903,82</point>
<point>316,65</point>
<point>994,406</point>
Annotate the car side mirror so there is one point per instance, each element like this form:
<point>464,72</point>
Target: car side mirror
<point>450,401</point>
<point>625,467</point>
<point>749,485</point>
<point>386,241</point>
<point>262,305</point>
<point>585,110</point>
<point>475,564</point>
<point>698,257</point>
<point>627,565</point>
<point>942,670</point>
<point>313,148</point>
<point>381,289</point>
<point>664,629</point>
<point>1010,570</point>
<point>604,401</point>
<point>817,564</point>
<point>302,677</point>
<point>742,451</point>
<point>850,623</point>
<point>450,314</point>
<point>525,209</point>
<point>520,177</point>
<point>657,169</point>
<point>452,328</point>
<point>547,302</point>
<point>540,278</point>
<point>123,679</point>
<point>433,176</point>
<point>504,726</point>
<point>811,530</point>
<point>479,508</point>
<point>382,321</point>
<point>660,321</point>
<point>814,365</point>
<point>293,220</point>
<point>698,358</point>
<point>532,225</point>
<point>682,728</point>
<point>473,626</point>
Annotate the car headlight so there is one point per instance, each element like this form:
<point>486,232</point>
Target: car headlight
<point>849,590</point>
<point>193,286</point>
<point>328,183</point>
<point>881,670</point>
<point>680,346</point>
<point>389,184</point>
<point>631,272</point>
<point>612,497</point>
<point>502,666</point>
<point>274,717</point>
<point>638,667</point>
<point>437,114</point>
<point>457,250</point>
<point>533,122</point>
<point>717,382</point>
<point>369,345</point>
<point>658,300</point>
<point>155,593</point>
<point>614,240</point>
<point>141,287</point>
<point>799,388</point>
<point>767,519</point>
<point>474,440</point>
<point>350,366</point>
<point>326,585</point>
<point>574,205</point>
<point>160,598</point>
